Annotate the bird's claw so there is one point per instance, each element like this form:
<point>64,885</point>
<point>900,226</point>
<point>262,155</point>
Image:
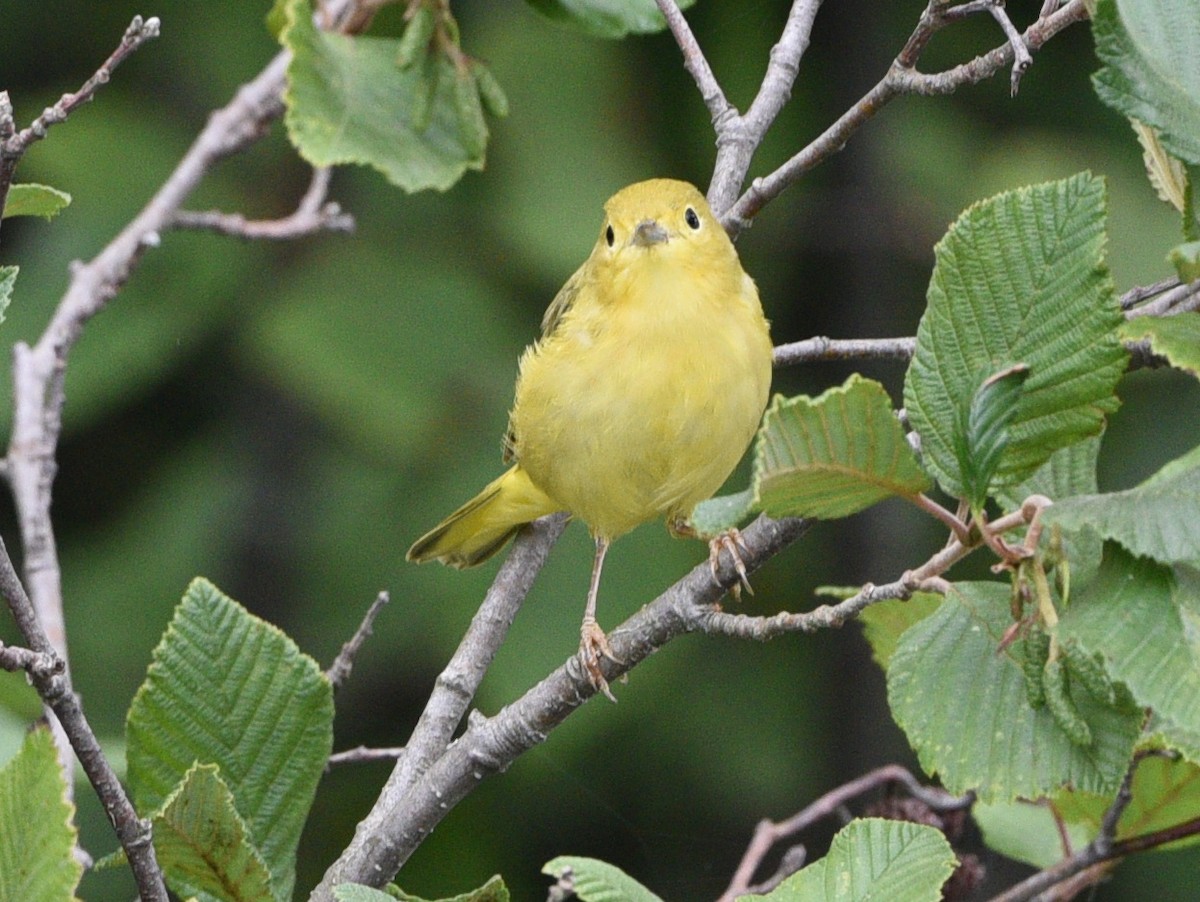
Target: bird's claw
<point>593,645</point>
<point>730,541</point>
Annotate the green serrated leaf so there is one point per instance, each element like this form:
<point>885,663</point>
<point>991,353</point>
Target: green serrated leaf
<point>35,200</point>
<point>8,278</point>
<point>226,688</point>
<point>202,842</point>
<point>962,703</point>
<point>870,859</point>
<point>1186,260</point>
<point>1175,337</point>
<point>884,623</point>
<point>37,836</point>
<point>1166,792</point>
<point>1160,518</point>
<point>1150,73</point>
<point>606,18</point>
<point>1061,704</point>
<point>834,455</point>
<point>492,891</point>
<point>1029,832</point>
<point>983,436</point>
<point>1070,471</point>
<point>347,102</point>
<point>717,515</point>
<point>1144,620</point>
<point>597,881</point>
<point>1019,277</point>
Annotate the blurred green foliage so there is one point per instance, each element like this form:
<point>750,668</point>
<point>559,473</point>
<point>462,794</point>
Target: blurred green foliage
<point>285,419</point>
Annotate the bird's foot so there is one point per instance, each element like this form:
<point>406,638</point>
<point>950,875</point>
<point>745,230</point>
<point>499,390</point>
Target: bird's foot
<point>731,542</point>
<point>593,645</point>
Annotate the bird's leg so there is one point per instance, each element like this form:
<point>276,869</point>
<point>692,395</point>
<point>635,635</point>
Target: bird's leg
<point>730,541</point>
<point>592,642</point>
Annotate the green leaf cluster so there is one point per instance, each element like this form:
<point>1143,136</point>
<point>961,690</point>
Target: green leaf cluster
<point>1015,370</point>
<point>1017,357</point>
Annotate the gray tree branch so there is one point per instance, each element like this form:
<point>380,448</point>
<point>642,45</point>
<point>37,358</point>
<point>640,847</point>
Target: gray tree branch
<point>902,78</point>
<point>427,784</point>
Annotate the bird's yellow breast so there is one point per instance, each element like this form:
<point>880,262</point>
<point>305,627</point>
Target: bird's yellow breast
<point>646,394</point>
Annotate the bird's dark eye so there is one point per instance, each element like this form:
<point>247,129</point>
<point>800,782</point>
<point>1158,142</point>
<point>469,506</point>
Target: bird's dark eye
<point>691,218</point>
<point>609,236</point>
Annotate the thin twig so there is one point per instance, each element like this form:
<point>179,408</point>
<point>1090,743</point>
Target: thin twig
<point>768,833</point>
<point>1022,60</point>
<point>14,658</point>
<point>311,216</point>
<point>14,144</point>
<point>1179,298</point>
<point>927,577</point>
<point>1140,293</point>
<point>363,755</point>
<point>339,670</point>
<point>902,78</point>
<point>50,680</point>
<point>821,348</point>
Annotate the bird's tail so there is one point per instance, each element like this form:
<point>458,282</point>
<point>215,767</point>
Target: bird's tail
<point>479,528</point>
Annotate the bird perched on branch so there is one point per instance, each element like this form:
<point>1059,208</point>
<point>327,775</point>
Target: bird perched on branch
<point>640,397</point>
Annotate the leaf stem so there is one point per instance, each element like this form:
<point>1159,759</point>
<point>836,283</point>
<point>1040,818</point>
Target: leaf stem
<point>961,530</point>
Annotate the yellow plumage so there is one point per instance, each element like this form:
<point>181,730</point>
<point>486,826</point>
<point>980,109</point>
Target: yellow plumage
<point>642,394</point>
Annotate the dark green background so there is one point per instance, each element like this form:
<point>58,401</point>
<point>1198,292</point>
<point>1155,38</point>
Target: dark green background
<point>285,419</point>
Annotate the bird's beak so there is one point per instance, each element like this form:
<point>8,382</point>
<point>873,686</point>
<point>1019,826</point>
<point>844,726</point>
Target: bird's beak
<point>649,233</point>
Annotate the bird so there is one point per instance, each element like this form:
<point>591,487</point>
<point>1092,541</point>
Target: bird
<point>643,392</point>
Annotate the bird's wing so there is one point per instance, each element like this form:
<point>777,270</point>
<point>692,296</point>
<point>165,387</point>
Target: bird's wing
<point>554,314</point>
<point>562,303</point>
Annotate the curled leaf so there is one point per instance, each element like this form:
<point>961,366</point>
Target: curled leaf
<point>414,43</point>
<point>495,101</point>
<point>473,130</point>
<point>1062,706</point>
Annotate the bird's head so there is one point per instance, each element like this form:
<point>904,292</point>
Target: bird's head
<point>663,218</point>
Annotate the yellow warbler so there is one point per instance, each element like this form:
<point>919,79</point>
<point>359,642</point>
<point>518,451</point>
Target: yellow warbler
<point>640,397</point>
